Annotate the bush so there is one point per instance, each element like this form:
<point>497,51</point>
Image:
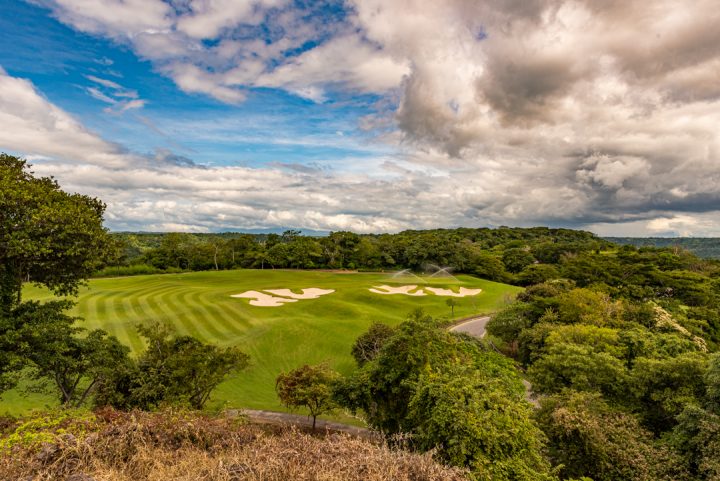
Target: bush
<point>134,270</point>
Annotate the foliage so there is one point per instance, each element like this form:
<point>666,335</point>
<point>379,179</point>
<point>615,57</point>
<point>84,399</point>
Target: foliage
<point>58,352</point>
<point>472,421</point>
<point>509,322</point>
<point>450,393</point>
<point>46,235</point>
<point>309,387</point>
<point>172,370</point>
<point>368,345</point>
<point>588,437</point>
<point>579,367</point>
<point>121,446</point>
<point>45,427</point>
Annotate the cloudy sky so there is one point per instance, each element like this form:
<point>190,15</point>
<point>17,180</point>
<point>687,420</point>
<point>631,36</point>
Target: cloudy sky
<point>371,115</point>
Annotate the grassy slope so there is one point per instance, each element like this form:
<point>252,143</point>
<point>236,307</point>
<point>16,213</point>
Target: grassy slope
<point>277,338</point>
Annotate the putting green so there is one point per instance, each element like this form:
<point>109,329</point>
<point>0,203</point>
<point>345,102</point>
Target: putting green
<point>276,338</point>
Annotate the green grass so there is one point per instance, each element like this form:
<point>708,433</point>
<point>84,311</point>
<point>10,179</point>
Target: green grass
<point>276,338</point>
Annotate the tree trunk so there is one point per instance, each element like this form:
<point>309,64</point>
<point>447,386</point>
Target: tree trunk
<point>314,420</point>
<point>215,258</point>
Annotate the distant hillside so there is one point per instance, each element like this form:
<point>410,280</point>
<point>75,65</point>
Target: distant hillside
<point>708,247</point>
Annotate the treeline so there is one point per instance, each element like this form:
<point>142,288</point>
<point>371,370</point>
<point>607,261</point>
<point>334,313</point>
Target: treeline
<point>504,254</point>
<point>708,247</point>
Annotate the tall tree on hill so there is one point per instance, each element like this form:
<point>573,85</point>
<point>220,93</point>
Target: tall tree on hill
<point>47,236</point>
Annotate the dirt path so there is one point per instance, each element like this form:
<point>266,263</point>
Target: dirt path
<point>288,419</point>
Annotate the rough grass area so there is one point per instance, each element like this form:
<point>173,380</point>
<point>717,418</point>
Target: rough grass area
<point>116,446</point>
<point>277,338</point>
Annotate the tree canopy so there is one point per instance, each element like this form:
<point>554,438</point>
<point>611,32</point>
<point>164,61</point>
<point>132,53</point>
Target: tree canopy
<point>47,236</point>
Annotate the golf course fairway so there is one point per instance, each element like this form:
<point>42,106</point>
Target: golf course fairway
<point>277,339</point>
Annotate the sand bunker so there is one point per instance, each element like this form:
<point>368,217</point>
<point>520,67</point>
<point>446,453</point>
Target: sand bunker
<point>261,299</point>
<point>462,292</point>
<point>278,297</point>
<point>409,290</point>
<point>312,293</point>
<point>388,290</point>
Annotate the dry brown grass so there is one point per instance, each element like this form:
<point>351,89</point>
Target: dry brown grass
<point>181,446</point>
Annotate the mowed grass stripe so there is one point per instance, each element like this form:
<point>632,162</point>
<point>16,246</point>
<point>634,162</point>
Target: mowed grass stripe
<point>233,324</point>
<point>96,314</point>
<point>188,318</point>
<point>154,305</point>
<point>223,317</point>
<point>201,317</point>
<point>162,305</point>
<point>131,320</point>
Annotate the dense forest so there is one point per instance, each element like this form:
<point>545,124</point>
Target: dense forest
<point>700,246</point>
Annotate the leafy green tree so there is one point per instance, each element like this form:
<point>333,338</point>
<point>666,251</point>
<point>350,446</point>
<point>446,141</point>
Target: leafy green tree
<point>472,421</point>
<point>712,383</point>
<point>580,367</point>
<point>509,322</point>
<point>537,273</point>
<point>589,438</point>
<point>172,370</point>
<point>368,345</point>
<point>587,306</point>
<point>309,387</point>
<point>60,353</point>
<point>451,303</point>
<point>663,387</point>
<point>451,393</point>
<point>696,437</point>
<point>517,259</point>
<point>46,235</point>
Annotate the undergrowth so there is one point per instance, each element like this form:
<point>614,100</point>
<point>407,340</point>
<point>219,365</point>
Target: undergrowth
<point>180,445</point>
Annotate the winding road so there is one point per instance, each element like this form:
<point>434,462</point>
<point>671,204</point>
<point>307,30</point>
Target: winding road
<point>474,327</point>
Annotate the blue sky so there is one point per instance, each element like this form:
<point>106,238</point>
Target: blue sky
<point>371,115</point>
<point>271,126</point>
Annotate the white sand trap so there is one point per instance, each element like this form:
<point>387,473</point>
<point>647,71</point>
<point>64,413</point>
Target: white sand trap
<point>406,290</point>
<point>261,299</point>
<point>462,292</point>
<point>311,293</point>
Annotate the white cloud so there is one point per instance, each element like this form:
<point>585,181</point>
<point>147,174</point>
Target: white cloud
<point>30,124</point>
<point>573,112</point>
<point>120,98</point>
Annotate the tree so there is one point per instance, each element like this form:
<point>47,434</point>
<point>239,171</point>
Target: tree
<point>516,259</point>
<point>172,370</point>
<point>509,323</point>
<point>309,387</point>
<point>590,438</point>
<point>451,393</point>
<point>451,303</point>
<point>175,369</point>
<point>57,351</point>
<point>473,421</point>
<point>47,236</point>
<point>368,345</point>
<point>579,367</point>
